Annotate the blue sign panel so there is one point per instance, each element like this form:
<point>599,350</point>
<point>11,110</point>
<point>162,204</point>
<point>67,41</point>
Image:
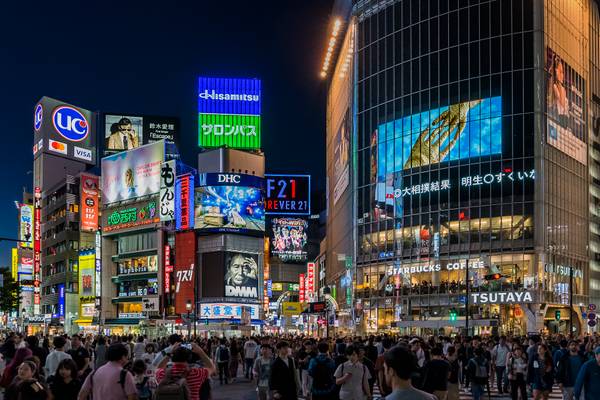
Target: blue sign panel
<point>230,179</point>
<point>61,300</point>
<point>229,96</point>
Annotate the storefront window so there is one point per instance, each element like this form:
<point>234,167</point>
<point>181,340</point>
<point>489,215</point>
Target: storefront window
<point>130,310</point>
<point>138,265</point>
<point>138,288</point>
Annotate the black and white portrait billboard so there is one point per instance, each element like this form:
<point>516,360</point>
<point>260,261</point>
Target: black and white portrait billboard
<point>241,275</point>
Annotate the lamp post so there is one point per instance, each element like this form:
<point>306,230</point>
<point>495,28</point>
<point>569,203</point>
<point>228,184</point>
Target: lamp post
<point>188,307</point>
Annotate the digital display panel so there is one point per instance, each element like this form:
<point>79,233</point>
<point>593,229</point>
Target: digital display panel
<point>287,194</point>
<point>127,132</point>
<point>229,209</point>
<point>241,275</point>
<point>289,239</point>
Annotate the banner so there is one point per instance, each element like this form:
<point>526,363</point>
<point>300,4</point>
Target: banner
<point>37,248</point>
<point>310,280</point>
<point>185,256</point>
<point>26,225</point>
<point>302,289</point>
<point>184,202</point>
<point>241,275</point>
<point>168,269</point>
<point>167,191</point>
<point>89,202</point>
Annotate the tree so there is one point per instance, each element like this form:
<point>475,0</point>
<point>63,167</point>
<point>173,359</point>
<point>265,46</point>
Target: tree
<point>10,292</point>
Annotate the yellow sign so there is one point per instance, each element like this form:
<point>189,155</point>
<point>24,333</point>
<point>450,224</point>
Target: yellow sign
<point>87,269</point>
<point>15,263</point>
<point>290,308</point>
<point>277,287</point>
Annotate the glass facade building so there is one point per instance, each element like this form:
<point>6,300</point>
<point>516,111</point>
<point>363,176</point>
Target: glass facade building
<point>468,133</point>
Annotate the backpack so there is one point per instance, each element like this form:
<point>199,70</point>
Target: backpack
<point>323,381</point>
<point>223,354</point>
<point>172,387</point>
<point>143,389</point>
<point>481,370</point>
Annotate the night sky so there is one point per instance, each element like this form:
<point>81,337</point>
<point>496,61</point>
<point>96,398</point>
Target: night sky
<point>144,58</point>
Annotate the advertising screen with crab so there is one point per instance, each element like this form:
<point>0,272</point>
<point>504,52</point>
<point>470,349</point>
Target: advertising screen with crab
<point>229,209</point>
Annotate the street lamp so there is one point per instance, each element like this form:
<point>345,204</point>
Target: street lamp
<point>188,307</point>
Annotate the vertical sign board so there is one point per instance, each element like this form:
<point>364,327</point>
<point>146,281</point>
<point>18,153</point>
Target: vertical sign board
<point>98,265</point>
<point>185,256</point>
<point>26,225</point>
<point>168,269</point>
<point>37,248</point>
<point>167,191</point>
<point>302,289</point>
<point>14,263</point>
<point>61,300</point>
<point>184,202</point>
<point>267,282</point>
<point>229,113</point>
<point>310,280</point>
<point>89,202</point>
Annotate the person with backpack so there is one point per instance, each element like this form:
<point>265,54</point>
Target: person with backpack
<point>453,379</point>
<point>567,369</point>
<point>111,381</point>
<point>180,379</point>
<point>283,382</point>
<point>353,377</point>
<point>145,384</point>
<point>540,373</point>
<point>262,370</point>
<point>321,368</point>
<point>478,371</point>
<point>222,359</point>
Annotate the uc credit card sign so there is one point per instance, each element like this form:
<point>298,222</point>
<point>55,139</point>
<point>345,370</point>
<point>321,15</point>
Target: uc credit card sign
<point>287,194</point>
<point>229,112</point>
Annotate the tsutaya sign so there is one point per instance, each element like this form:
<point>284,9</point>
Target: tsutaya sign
<point>501,297</point>
<point>421,268</point>
<point>563,270</point>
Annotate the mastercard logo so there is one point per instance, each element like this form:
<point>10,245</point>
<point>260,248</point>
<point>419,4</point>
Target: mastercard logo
<point>57,147</point>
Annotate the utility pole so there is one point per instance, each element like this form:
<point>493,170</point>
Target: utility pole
<point>570,300</point>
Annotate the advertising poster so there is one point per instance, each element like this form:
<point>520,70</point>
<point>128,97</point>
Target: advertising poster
<point>229,209</point>
<point>122,132</point>
<point>290,238</point>
<point>341,157</point>
<point>241,275</point>
<point>26,225</point>
<point>184,202</point>
<point>87,267</point>
<point>64,130</point>
<point>132,174</point>
<point>124,217</point>
<point>167,191</point>
<point>89,202</point>
<point>160,128</point>
<point>229,112</point>
<point>565,90</point>
<point>185,256</point>
<point>287,194</point>
<point>228,310</point>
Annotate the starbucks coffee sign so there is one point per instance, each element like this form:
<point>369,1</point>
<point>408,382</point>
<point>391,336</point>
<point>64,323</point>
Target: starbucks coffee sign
<point>519,297</point>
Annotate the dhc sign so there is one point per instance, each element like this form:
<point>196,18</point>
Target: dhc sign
<point>70,123</point>
<point>502,297</point>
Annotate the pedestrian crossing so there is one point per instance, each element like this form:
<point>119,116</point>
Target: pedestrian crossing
<point>465,394</point>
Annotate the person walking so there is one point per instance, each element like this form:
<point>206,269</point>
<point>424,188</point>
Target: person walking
<point>588,379</point>
<point>222,357</point>
<point>111,381</point>
<point>56,356</point>
<point>540,373</point>
<point>261,371</point>
<point>436,373</point>
<point>353,377</point>
<point>283,381</point>
<point>568,365</point>
<point>234,359</point>
<point>100,352</point>
<point>499,356</point>
<point>478,369</point>
<point>322,369</point>
<point>384,388</point>
<point>453,379</point>
<point>65,384</point>
<point>517,372</point>
<point>399,366</point>
<point>81,356</point>
<point>250,348</point>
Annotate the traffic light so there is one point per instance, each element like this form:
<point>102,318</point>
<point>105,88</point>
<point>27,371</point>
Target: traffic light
<point>453,315</point>
<point>557,315</point>
<point>493,277</point>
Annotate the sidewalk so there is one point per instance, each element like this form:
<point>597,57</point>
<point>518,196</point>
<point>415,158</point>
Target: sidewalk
<point>241,389</point>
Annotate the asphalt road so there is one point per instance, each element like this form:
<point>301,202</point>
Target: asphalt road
<point>241,389</point>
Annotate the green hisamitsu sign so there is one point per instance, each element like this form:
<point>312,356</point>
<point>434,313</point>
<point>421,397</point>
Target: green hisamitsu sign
<point>235,131</point>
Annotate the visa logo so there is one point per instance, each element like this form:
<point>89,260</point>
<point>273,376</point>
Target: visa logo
<point>70,123</point>
<point>84,154</point>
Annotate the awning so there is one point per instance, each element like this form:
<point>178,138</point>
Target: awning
<point>122,321</point>
<point>437,323</point>
<point>132,299</point>
<point>134,277</point>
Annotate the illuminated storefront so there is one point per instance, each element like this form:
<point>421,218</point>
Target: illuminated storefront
<point>457,186</point>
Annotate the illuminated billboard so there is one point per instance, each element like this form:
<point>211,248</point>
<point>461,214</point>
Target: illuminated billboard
<point>26,225</point>
<point>229,209</point>
<point>229,112</point>
<point>287,194</point>
<point>565,89</point>
<point>89,202</point>
<point>459,131</point>
<point>143,213</point>
<point>64,130</point>
<point>131,174</point>
<point>241,275</point>
<point>128,132</point>
<point>289,239</point>
<point>87,269</point>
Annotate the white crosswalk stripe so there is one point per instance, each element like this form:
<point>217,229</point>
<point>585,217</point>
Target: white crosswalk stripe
<point>465,394</point>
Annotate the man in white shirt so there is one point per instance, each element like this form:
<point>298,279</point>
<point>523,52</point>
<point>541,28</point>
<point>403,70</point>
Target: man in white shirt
<point>249,356</point>
<point>56,356</point>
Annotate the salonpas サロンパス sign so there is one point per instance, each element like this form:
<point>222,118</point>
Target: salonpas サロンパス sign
<point>516,297</point>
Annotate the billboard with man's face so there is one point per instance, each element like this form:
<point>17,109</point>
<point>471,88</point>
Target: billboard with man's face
<point>241,275</point>
<point>128,132</point>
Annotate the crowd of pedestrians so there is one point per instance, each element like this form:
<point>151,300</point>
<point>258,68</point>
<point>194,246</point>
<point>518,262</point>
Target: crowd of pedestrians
<point>292,367</point>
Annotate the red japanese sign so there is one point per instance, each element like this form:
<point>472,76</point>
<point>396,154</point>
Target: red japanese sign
<point>310,280</point>
<point>302,289</point>
<point>89,202</point>
<point>168,268</point>
<point>37,245</point>
<point>185,257</point>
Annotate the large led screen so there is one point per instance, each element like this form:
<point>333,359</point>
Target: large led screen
<point>229,209</point>
<point>289,239</point>
<point>460,131</point>
<point>241,275</point>
<point>131,174</point>
<point>565,90</point>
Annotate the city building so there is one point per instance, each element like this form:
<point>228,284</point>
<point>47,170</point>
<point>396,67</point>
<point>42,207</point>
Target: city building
<point>22,260</point>
<point>457,145</point>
